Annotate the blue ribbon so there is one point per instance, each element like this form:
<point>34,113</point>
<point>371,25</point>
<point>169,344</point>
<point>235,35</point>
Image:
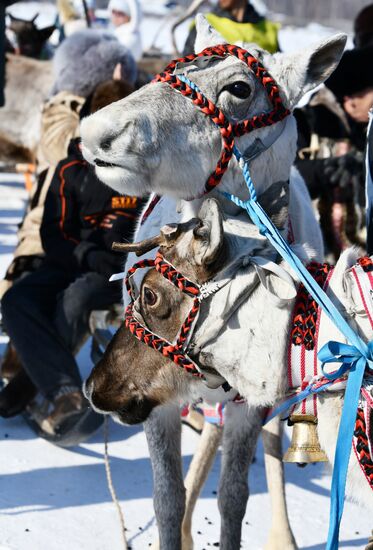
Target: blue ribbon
<point>349,356</point>
<point>355,361</point>
<point>297,398</point>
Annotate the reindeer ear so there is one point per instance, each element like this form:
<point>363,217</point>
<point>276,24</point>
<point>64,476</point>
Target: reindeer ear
<point>170,232</point>
<point>46,32</point>
<point>300,72</point>
<point>208,234</point>
<point>207,36</point>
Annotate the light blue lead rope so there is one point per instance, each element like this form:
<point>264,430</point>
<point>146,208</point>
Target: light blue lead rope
<point>354,358</point>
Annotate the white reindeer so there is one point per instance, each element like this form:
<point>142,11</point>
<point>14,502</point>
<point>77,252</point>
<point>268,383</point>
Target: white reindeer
<point>127,366</point>
<point>157,141</point>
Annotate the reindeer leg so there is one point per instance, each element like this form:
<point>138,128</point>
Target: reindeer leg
<point>197,474</point>
<point>280,536</point>
<point>163,433</point>
<point>369,546</point>
<point>241,431</point>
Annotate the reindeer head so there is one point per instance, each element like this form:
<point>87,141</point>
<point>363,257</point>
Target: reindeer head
<point>145,142</point>
<point>132,378</point>
<point>30,39</point>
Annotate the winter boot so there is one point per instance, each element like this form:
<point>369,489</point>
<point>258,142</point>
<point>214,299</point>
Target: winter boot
<point>66,421</point>
<point>66,407</point>
<point>370,543</point>
<point>16,395</point>
<point>10,363</point>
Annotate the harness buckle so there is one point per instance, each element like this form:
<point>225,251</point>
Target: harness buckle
<point>207,289</point>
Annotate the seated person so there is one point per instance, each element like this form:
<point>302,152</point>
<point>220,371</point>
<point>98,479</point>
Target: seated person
<point>46,312</point>
<point>78,77</point>
<point>60,123</point>
<point>126,18</point>
<point>238,21</point>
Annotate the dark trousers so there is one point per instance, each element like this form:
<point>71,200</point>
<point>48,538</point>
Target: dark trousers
<point>46,316</point>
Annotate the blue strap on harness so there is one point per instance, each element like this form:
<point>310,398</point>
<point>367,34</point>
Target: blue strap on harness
<point>354,357</point>
<point>191,84</point>
<point>294,399</point>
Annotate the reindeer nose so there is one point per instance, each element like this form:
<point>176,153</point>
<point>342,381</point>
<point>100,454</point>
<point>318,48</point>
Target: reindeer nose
<point>98,132</point>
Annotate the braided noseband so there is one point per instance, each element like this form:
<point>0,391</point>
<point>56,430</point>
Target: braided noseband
<point>176,351</point>
<point>228,131</point>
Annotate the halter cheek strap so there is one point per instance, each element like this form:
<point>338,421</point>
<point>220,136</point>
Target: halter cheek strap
<point>228,131</point>
<point>174,351</point>
<point>177,350</point>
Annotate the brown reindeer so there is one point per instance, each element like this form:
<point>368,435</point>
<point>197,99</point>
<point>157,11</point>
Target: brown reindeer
<point>30,41</point>
<point>132,380</point>
<point>28,83</point>
<point>164,310</point>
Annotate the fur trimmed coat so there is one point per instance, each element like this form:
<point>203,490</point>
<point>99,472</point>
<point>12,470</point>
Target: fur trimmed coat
<point>60,123</point>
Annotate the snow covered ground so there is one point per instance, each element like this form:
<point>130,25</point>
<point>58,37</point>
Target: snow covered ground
<point>57,499</point>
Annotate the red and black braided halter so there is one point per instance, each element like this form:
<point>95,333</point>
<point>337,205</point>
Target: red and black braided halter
<point>228,131</point>
<point>306,308</point>
<point>175,351</point>
<point>361,446</point>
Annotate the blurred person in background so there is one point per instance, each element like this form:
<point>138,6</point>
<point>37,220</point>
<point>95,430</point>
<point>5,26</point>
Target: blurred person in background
<point>238,21</point>
<point>81,63</point>
<point>363,27</point>
<point>125,17</point>
<point>46,312</point>
<point>332,138</point>
<point>77,76</point>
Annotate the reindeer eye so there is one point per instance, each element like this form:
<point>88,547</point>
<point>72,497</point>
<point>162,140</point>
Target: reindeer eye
<point>239,89</point>
<point>150,297</point>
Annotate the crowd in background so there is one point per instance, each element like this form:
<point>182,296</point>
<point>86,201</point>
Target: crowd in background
<point>59,273</point>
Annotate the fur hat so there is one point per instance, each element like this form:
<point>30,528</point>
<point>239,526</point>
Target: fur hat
<point>108,92</point>
<point>87,58</point>
<point>119,5</point>
<point>363,27</point>
<point>353,74</point>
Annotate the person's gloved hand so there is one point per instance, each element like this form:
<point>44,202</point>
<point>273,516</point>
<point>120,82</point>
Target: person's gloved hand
<point>344,170</point>
<point>104,262</point>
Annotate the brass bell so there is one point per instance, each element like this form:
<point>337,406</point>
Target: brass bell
<point>305,446</point>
